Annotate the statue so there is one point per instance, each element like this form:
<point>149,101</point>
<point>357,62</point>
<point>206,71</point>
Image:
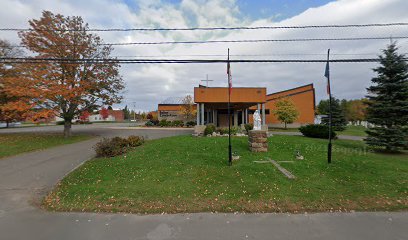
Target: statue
<point>257,120</point>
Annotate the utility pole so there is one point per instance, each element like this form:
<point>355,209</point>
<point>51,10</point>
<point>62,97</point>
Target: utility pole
<point>206,80</point>
<point>134,112</point>
<point>327,75</point>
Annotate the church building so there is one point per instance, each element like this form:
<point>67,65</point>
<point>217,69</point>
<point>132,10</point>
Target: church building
<point>212,105</point>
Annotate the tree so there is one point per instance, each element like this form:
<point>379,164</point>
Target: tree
<point>104,113</point>
<point>339,122</point>
<point>126,113</point>
<point>68,87</point>
<point>9,111</point>
<point>187,108</point>
<point>388,102</point>
<point>84,116</point>
<point>286,111</point>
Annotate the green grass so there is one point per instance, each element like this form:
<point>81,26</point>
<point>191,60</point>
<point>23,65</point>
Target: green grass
<point>283,129</point>
<point>189,174</point>
<point>12,144</point>
<point>354,131</point>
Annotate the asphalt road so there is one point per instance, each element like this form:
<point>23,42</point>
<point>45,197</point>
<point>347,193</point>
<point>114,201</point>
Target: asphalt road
<point>26,178</point>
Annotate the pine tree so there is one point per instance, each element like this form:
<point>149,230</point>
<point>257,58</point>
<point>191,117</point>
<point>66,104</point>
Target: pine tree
<point>339,122</point>
<point>388,102</point>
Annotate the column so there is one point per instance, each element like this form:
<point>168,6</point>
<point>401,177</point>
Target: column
<point>243,116</point>
<point>198,114</point>
<point>202,114</point>
<point>215,118</point>
<point>246,116</point>
<point>235,118</point>
<point>259,107</point>
<point>263,114</point>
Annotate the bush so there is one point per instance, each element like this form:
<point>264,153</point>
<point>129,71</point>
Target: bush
<point>177,123</point>
<point>209,129</point>
<point>191,123</point>
<point>110,147</point>
<point>164,123</point>
<point>149,124</point>
<point>316,131</point>
<point>134,141</point>
<point>248,127</point>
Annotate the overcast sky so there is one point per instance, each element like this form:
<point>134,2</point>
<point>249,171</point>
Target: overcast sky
<point>148,85</point>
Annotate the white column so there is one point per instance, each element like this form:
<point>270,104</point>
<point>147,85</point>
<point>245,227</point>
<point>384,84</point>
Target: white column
<point>259,107</point>
<point>243,116</point>
<point>198,114</point>
<point>263,114</point>
<point>202,113</point>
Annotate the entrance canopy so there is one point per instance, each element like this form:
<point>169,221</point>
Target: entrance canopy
<point>212,104</point>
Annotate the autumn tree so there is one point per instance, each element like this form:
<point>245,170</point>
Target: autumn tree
<point>84,116</point>
<point>104,113</point>
<point>10,110</point>
<point>79,78</point>
<point>286,111</point>
<point>187,108</point>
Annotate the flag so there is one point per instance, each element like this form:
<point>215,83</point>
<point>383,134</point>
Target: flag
<point>229,77</point>
<point>327,75</point>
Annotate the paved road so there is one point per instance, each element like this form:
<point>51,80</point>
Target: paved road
<point>26,178</point>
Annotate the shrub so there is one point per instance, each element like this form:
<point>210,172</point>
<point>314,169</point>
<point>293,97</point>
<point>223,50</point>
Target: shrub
<point>177,123</point>
<point>316,131</point>
<point>110,147</point>
<point>248,127</point>
<point>134,141</point>
<point>164,123</point>
<point>209,129</point>
<point>190,123</point>
<point>149,124</point>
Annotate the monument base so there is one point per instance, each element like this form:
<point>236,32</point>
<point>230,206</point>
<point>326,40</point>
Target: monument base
<point>199,130</point>
<point>258,141</point>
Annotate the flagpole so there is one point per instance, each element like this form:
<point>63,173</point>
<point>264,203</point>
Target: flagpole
<point>329,147</point>
<point>229,114</point>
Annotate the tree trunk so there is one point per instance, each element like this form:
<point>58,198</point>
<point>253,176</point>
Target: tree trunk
<point>67,128</point>
<point>7,124</point>
<point>285,125</point>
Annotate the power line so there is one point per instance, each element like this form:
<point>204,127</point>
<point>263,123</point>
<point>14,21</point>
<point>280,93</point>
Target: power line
<point>157,61</point>
<point>214,28</point>
<point>239,41</point>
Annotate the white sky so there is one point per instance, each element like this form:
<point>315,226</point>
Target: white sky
<point>148,85</point>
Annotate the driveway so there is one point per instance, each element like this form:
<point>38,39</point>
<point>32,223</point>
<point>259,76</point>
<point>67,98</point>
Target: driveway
<point>26,178</point>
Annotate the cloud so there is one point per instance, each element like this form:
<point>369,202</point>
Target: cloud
<point>149,84</point>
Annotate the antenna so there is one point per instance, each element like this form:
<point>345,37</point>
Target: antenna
<point>206,80</point>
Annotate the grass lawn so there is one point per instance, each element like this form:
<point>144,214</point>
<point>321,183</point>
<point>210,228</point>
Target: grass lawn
<point>189,174</point>
<point>354,131</point>
<point>12,144</point>
<point>283,129</point>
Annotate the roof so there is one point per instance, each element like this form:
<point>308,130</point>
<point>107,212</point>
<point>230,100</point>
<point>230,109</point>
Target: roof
<point>173,100</point>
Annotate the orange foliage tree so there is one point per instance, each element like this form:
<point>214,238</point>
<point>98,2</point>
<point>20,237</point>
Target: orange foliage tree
<point>14,104</point>
<point>67,88</point>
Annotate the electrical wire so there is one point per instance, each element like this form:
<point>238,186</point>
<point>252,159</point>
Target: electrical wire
<point>213,28</point>
<point>237,41</point>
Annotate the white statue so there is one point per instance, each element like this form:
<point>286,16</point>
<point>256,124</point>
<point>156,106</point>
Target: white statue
<point>257,120</point>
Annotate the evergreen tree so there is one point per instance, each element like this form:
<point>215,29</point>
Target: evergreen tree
<point>339,122</point>
<point>126,113</point>
<point>388,102</point>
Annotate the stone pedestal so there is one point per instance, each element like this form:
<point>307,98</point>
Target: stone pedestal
<point>199,130</point>
<point>258,141</point>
